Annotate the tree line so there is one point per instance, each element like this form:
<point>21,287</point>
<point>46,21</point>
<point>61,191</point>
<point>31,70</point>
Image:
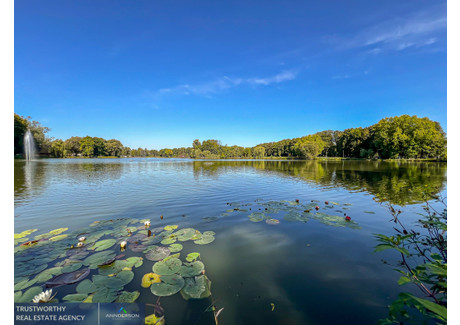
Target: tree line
<point>393,137</point>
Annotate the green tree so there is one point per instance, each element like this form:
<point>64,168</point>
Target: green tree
<point>20,129</point>
<point>259,152</point>
<point>114,148</point>
<point>87,146</point>
<point>309,147</point>
<point>72,146</point>
<point>57,148</point>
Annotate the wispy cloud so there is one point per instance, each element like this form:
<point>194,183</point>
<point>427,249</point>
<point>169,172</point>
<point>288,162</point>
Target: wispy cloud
<point>224,83</point>
<point>398,34</point>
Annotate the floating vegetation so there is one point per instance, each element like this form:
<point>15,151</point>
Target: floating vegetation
<point>297,211</point>
<point>95,271</point>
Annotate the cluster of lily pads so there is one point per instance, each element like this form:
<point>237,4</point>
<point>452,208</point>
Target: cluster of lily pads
<point>272,212</point>
<point>59,258</point>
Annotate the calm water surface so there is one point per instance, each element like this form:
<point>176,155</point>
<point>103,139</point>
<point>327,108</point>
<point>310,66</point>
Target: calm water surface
<point>313,273</point>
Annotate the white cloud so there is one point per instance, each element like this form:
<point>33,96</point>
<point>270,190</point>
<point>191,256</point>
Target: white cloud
<point>224,83</point>
<point>399,33</point>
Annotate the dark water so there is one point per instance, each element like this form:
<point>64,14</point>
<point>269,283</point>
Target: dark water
<point>313,272</point>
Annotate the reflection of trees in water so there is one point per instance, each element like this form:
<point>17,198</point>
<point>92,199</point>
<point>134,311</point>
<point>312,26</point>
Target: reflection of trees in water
<point>28,175</point>
<point>397,182</point>
<point>31,177</point>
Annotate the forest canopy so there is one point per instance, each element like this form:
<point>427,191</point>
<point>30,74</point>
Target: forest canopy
<point>392,137</point>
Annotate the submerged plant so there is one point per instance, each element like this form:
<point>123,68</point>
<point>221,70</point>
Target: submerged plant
<point>423,263</point>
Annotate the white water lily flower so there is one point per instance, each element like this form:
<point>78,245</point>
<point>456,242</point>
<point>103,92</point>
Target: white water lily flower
<point>123,244</point>
<point>80,244</point>
<point>44,296</point>
<point>147,223</point>
<point>83,238</point>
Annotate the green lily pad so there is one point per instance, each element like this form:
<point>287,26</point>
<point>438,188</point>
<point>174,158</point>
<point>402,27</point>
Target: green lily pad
<point>24,233</point>
<point>128,297</point>
<point>125,276</point>
<point>369,212</point>
<point>59,237</point>
<point>24,284</point>
<point>192,257</point>
<point>256,217</point>
<point>185,234</point>
<point>115,267</point>
<point>135,261</point>
<point>209,233</point>
<point>103,244</point>
<point>175,248</point>
<point>75,297</point>
<point>72,267</point>
<point>172,256</point>
<point>169,285</point>
<point>171,227</point>
<point>58,231</point>
<point>17,296</point>
<point>205,240</point>
<point>191,269</point>
<point>86,286</point>
<point>48,274</point>
<point>167,267</point>
<point>157,254</point>
<point>105,295</point>
<point>169,240</point>
<point>98,258</point>
<point>29,294</point>
<point>109,282</point>
<point>198,287</point>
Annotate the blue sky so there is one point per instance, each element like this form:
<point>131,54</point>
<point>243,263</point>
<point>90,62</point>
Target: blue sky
<point>159,74</point>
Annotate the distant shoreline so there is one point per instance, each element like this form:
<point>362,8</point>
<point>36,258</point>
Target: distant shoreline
<point>258,159</point>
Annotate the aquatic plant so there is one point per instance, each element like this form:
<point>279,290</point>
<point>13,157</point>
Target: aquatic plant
<point>423,263</point>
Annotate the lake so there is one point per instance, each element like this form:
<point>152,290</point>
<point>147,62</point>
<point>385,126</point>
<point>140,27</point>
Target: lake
<point>275,258</point>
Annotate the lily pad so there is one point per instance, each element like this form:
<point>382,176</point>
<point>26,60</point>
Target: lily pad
<point>75,297</point>
<point>125,276</point>
<point>102,245</point>
<point>67,278</point>
<point>150,278</point>
<point>24,284</point>
<point>198,287</point>
<point>95,259</point>
<point>191,269</point>
<point>24,233</point>
<point>29,294</point>
<point>171,227</point>
<point>86,286</point>
<point>137,247</point>
<point>59,237</point>
<point>369,212</point>
<point>175,248</point>
<point>169,240</point>
<point>192,257</point>
<point>167,267</point>
<point>135,261</point>
<point>154,320</point>
<point>105,295</point>
<point>48,274</point>
<point>128,297</point>
<point>169,285</point>
<point>58,231</point>
<point>185,234</point>
<point>157,254</point>
<point>205,240</point>
<point>256,217</point>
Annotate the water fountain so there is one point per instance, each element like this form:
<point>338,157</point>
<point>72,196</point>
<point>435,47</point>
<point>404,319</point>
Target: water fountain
<point>29,146</point>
